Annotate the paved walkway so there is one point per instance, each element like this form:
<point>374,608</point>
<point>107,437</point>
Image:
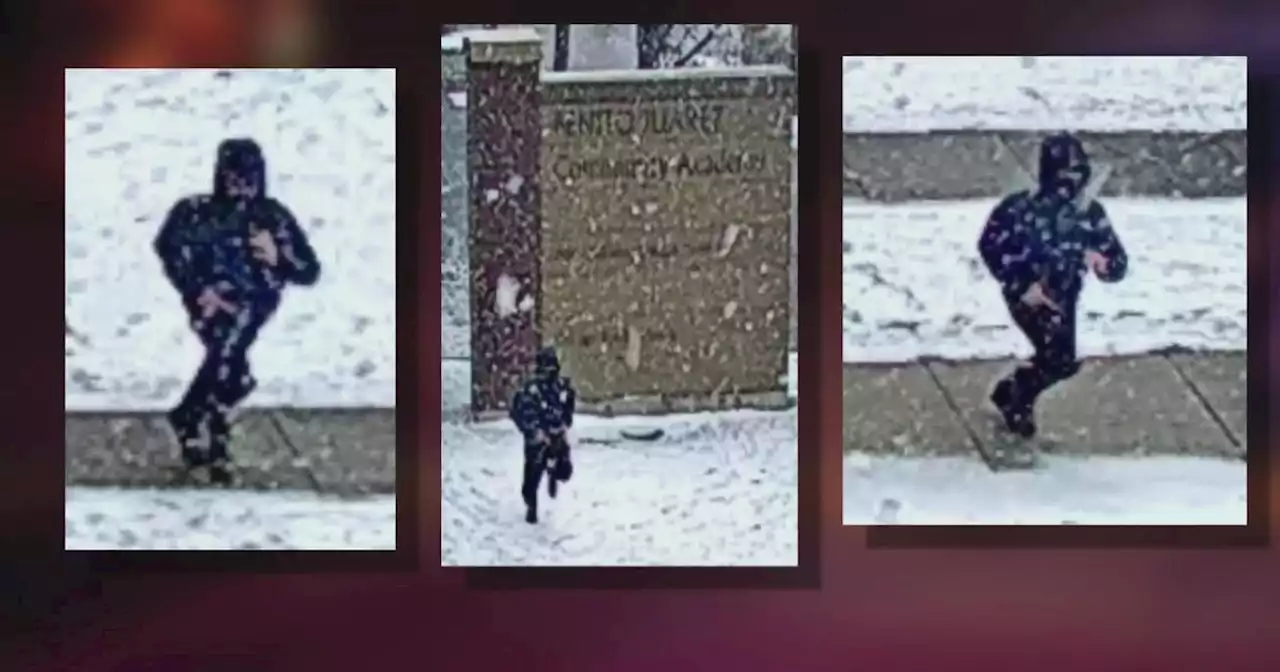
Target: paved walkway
<point>1178,404</point>
<point>335,451</point>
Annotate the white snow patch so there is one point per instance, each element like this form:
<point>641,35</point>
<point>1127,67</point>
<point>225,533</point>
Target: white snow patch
<point>915,286</point>
<point>132,519</point>
<point>720,489</point>
<point>919,94</point>
<point>490,195</point>
<point>458,100</point>
<point>139,140</point>
<point>513,184</point>
<point>727,240</point>
<point>1082,491</point>
<point>504,298</point>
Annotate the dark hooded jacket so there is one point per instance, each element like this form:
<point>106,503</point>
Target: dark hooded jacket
<point>1042,236</point>
<point>545,402</point>
<point>204,242</point>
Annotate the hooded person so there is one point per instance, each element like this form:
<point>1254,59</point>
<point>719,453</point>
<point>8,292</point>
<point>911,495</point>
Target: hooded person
<point>229,255</point>
<point>1039,245</point>
<point>542,410</point>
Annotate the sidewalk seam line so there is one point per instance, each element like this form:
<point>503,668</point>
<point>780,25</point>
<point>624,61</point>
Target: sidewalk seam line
<point>974,439</point>
<point>293,448</point>
<point>1204,402</point>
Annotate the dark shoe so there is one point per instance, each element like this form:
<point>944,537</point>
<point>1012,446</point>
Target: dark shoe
<point>194,455</point>
<point>553,482</point>
<point>1019,418</point>
<point>220,473</point>
<point>531,516</point>
<point>219,437</point>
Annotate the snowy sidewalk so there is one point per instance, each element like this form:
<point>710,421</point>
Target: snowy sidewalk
<point>1061,491</point>
<point>125,519</point>
<point>1156,404</point>
<point>347,451</point>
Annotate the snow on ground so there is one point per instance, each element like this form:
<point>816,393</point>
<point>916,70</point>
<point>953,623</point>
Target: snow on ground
<point>131,519</point>
<point>719,489</point>
<point>916,94</point>
<point>1093,491</point>
<point>915,286</point>
<point>139,140</point>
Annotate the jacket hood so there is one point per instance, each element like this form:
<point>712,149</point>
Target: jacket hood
<point>241,157</point>
<point>547,363</point>
<point>1064,165</point>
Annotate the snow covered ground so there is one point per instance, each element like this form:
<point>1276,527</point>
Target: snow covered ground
<point>917,94</point>
<point>915,286</point>
<point>1094,491</point>
<point>139,140</point>
<point>719,489</point>
<point>119,519</point>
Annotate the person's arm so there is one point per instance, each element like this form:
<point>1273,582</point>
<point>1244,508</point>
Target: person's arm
<point>1105,241</point>
<point>298,263</point>
<point>174,251</point>
<point>524,414</point>
<point>1006,250</point>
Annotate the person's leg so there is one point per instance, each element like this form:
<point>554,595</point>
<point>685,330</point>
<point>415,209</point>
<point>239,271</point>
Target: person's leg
<point>533,467</point>
<point>564,462</point>
<point>1014,395</point>
<point>191,415</point>
<point>234,380</point>
<point>1052,333</point>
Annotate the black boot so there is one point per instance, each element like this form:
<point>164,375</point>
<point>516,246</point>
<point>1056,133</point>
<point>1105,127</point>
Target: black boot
<point>1019,416</point>
<point>531,515</point>
<point>219,442</point>
<point>553,480</point>
<point>186,429</point>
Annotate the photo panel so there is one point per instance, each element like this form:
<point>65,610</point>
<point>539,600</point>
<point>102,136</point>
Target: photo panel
<point>1045,291</point>
<point>230,309</point>
<point>618,312</point>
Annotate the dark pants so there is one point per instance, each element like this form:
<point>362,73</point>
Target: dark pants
<point>1053,335</point>
<point>223,379</point>
<point>553,457</point>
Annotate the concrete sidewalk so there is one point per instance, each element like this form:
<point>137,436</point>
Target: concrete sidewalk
<point>336,451</point>
<point>1178,404</point>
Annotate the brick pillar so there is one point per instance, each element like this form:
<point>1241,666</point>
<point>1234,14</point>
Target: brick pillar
<point>504,140</point>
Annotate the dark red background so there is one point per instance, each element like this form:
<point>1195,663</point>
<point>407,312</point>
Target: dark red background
<point>1077,602</point>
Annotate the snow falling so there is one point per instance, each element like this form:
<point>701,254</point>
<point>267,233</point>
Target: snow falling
<point>662,239</point>
<point>137,142</point>
<point>915,290</point>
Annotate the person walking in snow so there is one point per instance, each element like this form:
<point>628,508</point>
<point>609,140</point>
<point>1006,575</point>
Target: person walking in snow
<point>1039,244</point>
<point>542,410</point>
<point>229,254</point>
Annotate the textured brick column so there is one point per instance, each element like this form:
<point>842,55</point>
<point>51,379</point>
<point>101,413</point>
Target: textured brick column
<point>504,140</point>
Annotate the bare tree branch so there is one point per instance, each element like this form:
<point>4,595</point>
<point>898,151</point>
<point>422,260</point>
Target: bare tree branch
<point>697,48</point>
